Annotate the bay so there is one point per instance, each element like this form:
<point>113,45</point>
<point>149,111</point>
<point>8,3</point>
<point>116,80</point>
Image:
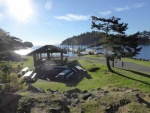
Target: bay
<point>144,53</point>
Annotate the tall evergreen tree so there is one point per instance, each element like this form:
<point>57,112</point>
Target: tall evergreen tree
<point>114,39</point>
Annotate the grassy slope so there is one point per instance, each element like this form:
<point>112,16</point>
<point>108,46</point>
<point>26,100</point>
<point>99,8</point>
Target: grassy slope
<point>144,63</point>
<point>102,78</point>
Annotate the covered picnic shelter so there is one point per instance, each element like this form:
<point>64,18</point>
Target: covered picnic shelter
<point>48,52</point>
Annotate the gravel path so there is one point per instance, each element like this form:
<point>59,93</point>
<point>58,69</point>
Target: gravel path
<point>117,64</point>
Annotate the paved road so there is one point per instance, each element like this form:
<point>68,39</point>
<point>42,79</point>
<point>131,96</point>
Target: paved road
<point>118,64</point>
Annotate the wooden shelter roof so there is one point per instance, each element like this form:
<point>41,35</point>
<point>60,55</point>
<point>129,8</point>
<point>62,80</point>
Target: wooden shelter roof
<point>48,49</point>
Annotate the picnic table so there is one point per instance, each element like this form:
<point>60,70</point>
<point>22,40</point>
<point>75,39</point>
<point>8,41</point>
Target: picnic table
<point>79,68</point>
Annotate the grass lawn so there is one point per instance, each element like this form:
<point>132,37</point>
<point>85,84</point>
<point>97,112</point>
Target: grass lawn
<point>101,78</point>
<point>144,63</point>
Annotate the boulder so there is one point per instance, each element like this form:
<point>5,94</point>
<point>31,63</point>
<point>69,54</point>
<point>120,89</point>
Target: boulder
<point>86,96</point>
<point>9,102</point>
<point>76,90</point>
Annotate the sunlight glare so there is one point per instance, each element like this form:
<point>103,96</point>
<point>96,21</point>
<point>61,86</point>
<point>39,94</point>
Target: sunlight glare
<point>23,51</point>
<point>21,9</point>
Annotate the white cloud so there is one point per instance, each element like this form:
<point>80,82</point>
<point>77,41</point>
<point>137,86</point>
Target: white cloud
<point>134,6</point>
<point>48,5</point>
<point>105,13</point>
<point>122,8</point>
<point>138,5</point>
<point>73,17</point>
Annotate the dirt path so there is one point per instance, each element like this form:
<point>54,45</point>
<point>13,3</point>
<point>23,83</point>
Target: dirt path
<point>117,64</point>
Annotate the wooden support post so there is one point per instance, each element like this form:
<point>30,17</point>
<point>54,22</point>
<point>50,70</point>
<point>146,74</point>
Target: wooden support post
<point>48,55</point>
<point>34,59</point>
<point>61,58</point>
<point>40,55</point>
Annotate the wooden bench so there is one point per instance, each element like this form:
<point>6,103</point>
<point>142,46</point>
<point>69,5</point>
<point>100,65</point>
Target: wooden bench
<point>24,70</point>
<point>66,77</point>
<point>63,73</point>
<point>34,75</point>
<point>74,69</point>
<point>28,74</point>
<point>33,78</point>
<point>80,69</point>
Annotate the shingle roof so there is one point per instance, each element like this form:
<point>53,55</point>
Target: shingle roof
<point>48,49</point>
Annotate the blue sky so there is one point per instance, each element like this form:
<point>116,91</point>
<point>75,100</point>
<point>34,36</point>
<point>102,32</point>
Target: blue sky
<point>52,21</point>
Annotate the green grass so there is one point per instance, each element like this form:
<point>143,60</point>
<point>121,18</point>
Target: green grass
<point>101,78</point>
<point>26,63</point>
<point>144,63</point>
<point>95,56</point>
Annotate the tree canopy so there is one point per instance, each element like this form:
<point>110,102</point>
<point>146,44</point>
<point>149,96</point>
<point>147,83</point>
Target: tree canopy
<point>144,37</point>
<point>8,44</point>
<point>91,38</point>
<point>87,38</point>
<point>11,43</point>
<point>115,39</point>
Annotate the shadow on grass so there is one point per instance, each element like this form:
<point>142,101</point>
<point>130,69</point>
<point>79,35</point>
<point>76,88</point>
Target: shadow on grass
<point>137,72</point>
<point>141,100</point>
<point>131,78</point>
<point>77,77</point>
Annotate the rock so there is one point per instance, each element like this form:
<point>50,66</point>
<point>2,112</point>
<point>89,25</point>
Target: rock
<point>54,110</point>
<point>86,96</point>
<point>105,92</point>
<point>74,95</point>
<point>53,91</point>
<point>9,102</point>
<point>63,106</point>
<point>99,89</point>
<point>35,89</point>
<point>67,95</point>
<point>69,101</point>
<point>85,91</point>
<point>26,104</point>
<point>76,90</point>
<point>77,101</point>
<point>93,90</point>
<point>82,110</point>
<point>89,99</point>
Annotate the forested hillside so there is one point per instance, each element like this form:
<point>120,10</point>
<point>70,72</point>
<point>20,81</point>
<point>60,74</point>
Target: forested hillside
<point>11,43</point>
<point>87,38</point>
<point>144,38</point>
<point>93,37</point>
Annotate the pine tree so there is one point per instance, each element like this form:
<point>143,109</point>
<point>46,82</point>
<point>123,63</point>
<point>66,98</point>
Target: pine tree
<point>115,39</point>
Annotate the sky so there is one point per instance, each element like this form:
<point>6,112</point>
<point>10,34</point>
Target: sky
<point>52,21</point>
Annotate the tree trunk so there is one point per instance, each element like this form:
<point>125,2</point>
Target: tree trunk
<point>108,64</point>
<point>113,63</point>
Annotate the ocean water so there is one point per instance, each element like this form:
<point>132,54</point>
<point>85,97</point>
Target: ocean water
<point>144,53</point>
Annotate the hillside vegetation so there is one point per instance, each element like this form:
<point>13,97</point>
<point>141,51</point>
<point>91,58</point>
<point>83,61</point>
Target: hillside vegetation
<point>90,38</point>
<point>87,38</point>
